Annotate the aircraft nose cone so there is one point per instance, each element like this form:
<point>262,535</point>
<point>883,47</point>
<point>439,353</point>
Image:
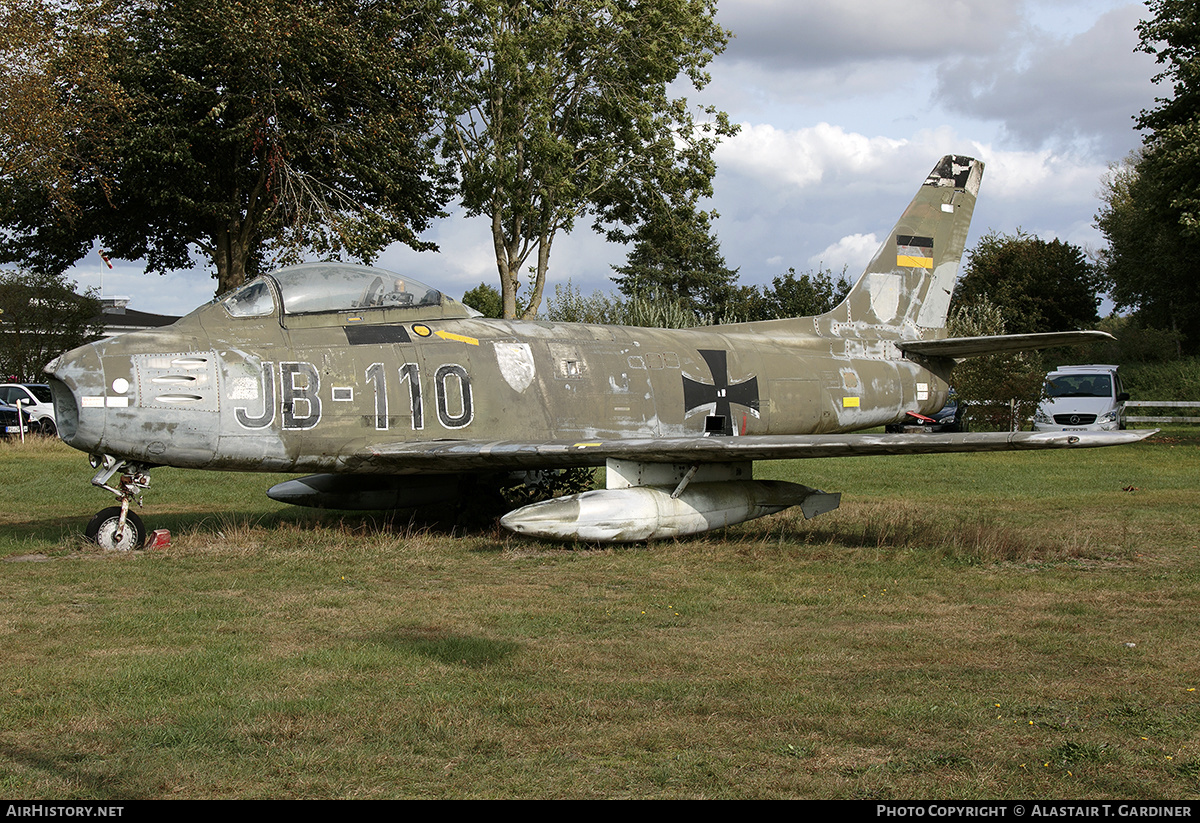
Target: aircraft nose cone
<point>76,379</point>
<point>620,515</point>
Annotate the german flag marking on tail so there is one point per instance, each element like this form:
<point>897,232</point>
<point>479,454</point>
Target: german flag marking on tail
<point>914,252</point>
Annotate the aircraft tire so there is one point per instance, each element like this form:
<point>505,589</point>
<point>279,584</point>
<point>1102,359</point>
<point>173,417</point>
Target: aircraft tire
<point>103,527</point>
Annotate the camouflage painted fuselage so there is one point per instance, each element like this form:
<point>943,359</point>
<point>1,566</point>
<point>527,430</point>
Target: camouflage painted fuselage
<point>283,376</point>
<point>268,398</point>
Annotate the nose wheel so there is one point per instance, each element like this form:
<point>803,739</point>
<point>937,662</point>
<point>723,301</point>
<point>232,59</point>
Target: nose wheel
<point>117,528</point>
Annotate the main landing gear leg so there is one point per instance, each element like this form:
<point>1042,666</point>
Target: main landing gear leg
<point>117,528</point>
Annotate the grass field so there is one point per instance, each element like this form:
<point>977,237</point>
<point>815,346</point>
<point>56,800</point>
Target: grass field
<point>990,626</point>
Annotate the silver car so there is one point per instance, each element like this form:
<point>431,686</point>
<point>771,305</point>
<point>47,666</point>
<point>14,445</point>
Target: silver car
<point>1082,398</point>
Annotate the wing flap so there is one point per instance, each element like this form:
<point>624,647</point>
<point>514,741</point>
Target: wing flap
<point>464,455</point>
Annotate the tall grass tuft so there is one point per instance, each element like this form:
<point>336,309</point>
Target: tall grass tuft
<point>907,529</point>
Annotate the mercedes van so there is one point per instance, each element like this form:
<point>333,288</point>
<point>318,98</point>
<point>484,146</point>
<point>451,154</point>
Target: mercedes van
<point>1082,398</point>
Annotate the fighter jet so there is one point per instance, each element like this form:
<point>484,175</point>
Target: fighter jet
<point>394,395</point>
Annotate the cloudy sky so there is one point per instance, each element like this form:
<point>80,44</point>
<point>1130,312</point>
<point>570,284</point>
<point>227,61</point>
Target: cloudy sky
<point>844,108</point>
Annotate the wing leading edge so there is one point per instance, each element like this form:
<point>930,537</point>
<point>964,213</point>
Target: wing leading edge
<point>460,455</point>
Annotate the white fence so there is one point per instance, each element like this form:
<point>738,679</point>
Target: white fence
<point>1162,404</point>
<point>1154,404</point>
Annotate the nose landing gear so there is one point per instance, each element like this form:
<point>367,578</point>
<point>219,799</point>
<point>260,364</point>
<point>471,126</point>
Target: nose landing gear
<point>117,528</point>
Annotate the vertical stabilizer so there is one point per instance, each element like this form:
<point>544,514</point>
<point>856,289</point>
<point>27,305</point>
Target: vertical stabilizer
<point>905,291</point>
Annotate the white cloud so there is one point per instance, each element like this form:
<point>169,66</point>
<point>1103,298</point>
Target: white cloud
<point>1045,176</point>
<point>803,158</point>
<point>466,257</point>
<point>1080,90</point>
<point>824,196</point>
<point>853,253</point>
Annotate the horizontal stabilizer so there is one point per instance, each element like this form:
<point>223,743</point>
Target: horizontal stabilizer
<point>977,346</point>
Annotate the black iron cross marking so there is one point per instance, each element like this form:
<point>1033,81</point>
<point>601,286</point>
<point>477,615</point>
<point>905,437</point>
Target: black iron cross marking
<point>720,392</point>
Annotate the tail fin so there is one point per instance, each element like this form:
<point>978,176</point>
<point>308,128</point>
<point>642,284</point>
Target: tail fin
<point>907,287</point>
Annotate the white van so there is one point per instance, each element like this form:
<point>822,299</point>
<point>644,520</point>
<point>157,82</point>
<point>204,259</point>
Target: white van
<point>1082,398</point>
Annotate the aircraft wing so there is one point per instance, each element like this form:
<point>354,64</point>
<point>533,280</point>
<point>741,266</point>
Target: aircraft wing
<point>464,455</point>
<point>976,346</point>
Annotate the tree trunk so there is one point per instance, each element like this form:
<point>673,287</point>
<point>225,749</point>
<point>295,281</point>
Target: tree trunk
<point>539,283</point>
<point>229,256</point>
<point>508,283</point>
<point>234,241</point>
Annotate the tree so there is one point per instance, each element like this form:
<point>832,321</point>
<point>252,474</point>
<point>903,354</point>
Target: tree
<point>1149,263</point>
<point>1001,391</point>
<point>253,129</point>
<point>561,108</point>
<point>810,293</point>
<point>1151,202</point>
<point>676,253</point>
<point>60,104</point>
<point>649,309</point>
<point>1038,286</point>
<point>41,316</point>
<point>485,299</point>
<point>789,295</point>
<point>1172,35</point>
<point>1132,342</point>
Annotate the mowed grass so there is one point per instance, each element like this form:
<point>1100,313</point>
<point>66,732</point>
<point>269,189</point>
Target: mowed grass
<point>987,626</point>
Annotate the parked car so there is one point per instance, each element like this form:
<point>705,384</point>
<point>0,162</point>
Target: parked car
<point>947,419</point>
<point>1082,398</point>
<point>13,421</point>
<point>36,400</point>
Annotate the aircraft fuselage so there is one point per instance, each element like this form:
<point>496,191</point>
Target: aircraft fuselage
<point>310,393</point>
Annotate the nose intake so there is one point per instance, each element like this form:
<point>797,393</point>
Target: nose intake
<point>66,410</point>
<point>75,375</point>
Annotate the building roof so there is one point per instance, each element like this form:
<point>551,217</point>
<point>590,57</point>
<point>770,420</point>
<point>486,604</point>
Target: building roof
<point>117,318</point>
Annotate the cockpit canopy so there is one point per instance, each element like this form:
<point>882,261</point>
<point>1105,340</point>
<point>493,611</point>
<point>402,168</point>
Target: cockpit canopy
<point>314,288</point>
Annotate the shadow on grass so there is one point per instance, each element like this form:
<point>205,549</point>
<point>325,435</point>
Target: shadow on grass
<point>434,521</point>
<point>85,772</point>
<point>68,532</point>
<point>891,526</point>
<point>447,647</point>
